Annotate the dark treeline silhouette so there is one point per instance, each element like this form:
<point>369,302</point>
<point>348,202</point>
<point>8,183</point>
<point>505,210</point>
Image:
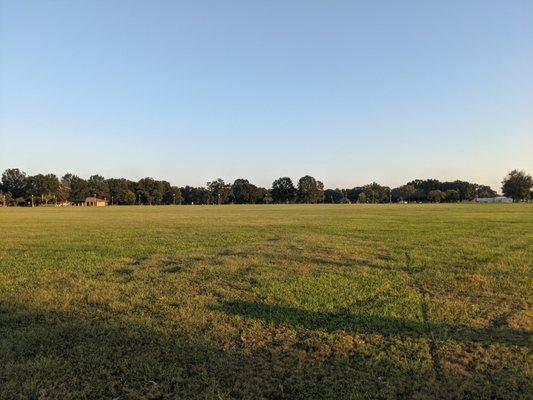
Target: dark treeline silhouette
<point>18,189</point>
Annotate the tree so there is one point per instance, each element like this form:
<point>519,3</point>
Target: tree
<point>436,196</point>
<point>14,181</point>
<point>149,191</point>
<point>188,193</point>
<point>407,192</point>
<point>195,195</point>
<point>243,192</point>
<point>220,191</point>
<point>334,196</point>
<point>164,194</point>
<point>353,194</point>
<point>64,190</point>
<point>423,187</point>
<point>467,190</point>
<point>78,187</point>
<point>98,187</point>
<point>5,198</point>
<point>283,190</point>
<point>372,192</point>
<point>44,187</point>
<point>517,185</point>
<point>263,196</point>
<point>361,198</point>
<point>375,193</point>
<point>485,191</point>
<point>203,196</point>
<point>452,196</point>
<point>403,193</point>
<point>310,190</point>
<point>172,195</point>
<point>129,197</point>
<point>420,195</point>
<point>120,191</point>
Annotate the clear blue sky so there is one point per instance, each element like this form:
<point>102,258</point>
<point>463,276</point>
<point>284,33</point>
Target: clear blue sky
<point>347,91</point>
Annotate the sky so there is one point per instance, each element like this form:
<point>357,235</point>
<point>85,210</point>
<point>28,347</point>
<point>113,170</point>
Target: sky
<point>349,92</point>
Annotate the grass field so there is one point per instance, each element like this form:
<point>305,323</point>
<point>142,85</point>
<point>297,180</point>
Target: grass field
<point>273,302</point>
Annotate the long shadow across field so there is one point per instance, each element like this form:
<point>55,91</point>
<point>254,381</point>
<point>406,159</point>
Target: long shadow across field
<point>345,320</point>
<point>53,354</point>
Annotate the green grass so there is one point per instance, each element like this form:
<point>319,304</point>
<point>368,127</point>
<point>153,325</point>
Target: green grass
<point>273,302</point>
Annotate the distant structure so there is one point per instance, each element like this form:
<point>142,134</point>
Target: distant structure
<point>497,199</point>
<point>95,202</point>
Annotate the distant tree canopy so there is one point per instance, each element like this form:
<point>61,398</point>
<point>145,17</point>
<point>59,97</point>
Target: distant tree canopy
<point>98,187</point>
<point>310,190</point>
<point>283,190</point>
<point>517,185</point>
<point>452,196</point>
<point>14,182</point>
<point>46,188</point>
<point>403,193</point>
<point>121,191</point>
<point>243,192</point>
<point>17,188</point>
<point>220,191</point>
<point>78,187</point>
<point>436,196</point>
<point>333,196</point>
<point>375,193</point>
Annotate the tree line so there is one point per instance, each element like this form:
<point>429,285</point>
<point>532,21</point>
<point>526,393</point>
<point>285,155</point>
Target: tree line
<point>19,189</point>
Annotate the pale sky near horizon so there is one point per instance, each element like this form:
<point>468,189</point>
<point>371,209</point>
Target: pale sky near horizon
<point>347,91</point>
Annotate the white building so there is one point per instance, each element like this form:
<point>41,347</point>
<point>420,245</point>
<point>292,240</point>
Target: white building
<point>497,199</point>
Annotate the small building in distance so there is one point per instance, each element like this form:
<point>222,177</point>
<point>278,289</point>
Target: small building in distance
<point>95,202</point>
<point>497,199</point>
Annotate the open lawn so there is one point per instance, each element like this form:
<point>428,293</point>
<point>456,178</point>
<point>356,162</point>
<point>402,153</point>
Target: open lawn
<point>273,302</point>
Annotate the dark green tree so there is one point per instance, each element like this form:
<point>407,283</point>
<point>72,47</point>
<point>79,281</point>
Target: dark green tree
<point>310,190</point>
<point>120,191</point>
<point>78,187</point>
<point>283,190</point>
<point>517,185</point>
<point>149,191</point>
<point>485,191</point>
<point>195,195</point>
<point>263,196</point>
<point>172,195</point>
<point>334,196</point>
<point>98,187</point>
<point>452,196</point>
<point>45,189</point>
<point>375,193</point>
<point>353,194</point>
<point>243,192</point>
<point>220,191</point>
<point>436,196</point>
<point>14,182</point>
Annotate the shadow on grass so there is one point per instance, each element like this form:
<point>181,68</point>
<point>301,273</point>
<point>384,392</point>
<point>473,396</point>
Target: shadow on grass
<point>52,354</point>
<point>344,320</point>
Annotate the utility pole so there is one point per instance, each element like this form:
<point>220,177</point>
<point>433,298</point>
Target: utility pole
<point>32,200</point>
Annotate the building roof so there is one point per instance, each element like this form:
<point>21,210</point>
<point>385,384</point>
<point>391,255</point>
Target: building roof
<point>94,199</point>
<point>494,197</point>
